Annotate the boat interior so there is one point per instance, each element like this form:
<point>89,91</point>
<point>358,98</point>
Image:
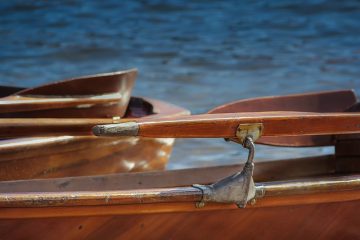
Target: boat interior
<point>344,162</point>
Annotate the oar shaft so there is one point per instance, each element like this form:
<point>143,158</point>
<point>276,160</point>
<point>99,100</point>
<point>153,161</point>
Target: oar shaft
<point>225,125</point>
<point>26,104</point>
<point>23,127</point>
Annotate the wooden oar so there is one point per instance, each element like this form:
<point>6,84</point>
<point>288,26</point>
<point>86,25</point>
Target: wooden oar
<point>327,101</point>
<point>225,125</point>
<point>276,124</point>
<point>317,102</point>
<point>140,108</point>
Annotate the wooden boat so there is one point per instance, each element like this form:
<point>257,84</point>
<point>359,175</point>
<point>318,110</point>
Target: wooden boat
<point>85,99</point>
<point>316,197</point>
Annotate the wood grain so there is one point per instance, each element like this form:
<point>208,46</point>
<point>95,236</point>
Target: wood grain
<point>49,157</point>
<point>274,124</point>
<point>95,96</point>
<point>295,222</point>
<point>326,101</point>
<point>25,104</point>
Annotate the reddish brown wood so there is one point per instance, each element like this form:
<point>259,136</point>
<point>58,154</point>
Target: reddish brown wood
<point>25,104</point>
<point>87,85</point>
<point>331,101</point>
<point>307,191</point>
<point>327,101</point>
<point>264,171</point>
<point>296,222</point>
<point>141,211</point>
<point>140,188</point>
<point>25,127</point>
<point>81,156</point>
<point>225,125</point>
<point>90,97</point>
<point>291,215</point>
<point>25,158</point>
<point>119,221</point>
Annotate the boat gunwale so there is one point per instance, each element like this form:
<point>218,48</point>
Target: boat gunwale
<point>109,189</point>
<point>181,199</point>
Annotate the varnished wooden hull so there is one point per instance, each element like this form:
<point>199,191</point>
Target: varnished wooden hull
<point>100,95</point>
<point>310,198</point>
<point>315,221</point>
<point>333,214</point>
<point>66,156</point>
<point>81,156</point>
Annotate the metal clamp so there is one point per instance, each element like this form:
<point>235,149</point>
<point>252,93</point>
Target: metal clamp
<point>238,188</point>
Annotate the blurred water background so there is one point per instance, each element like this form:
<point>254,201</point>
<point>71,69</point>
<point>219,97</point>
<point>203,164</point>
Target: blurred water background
<point>197,54</point>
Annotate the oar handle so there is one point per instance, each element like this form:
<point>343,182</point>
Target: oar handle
<point>226,125</point>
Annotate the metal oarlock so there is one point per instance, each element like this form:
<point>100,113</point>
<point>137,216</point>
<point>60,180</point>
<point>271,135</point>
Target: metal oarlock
<point>238,188</point>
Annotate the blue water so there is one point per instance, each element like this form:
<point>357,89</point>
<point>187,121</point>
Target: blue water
<point>196,54</point>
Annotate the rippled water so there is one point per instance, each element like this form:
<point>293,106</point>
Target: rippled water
<point>197,54</point>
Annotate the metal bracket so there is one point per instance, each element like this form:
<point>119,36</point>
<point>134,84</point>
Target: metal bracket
<point>252,130</point>
<point>238,188</point>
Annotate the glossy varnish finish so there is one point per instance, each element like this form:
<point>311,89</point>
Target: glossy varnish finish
<point>84,156</point>
<point>95,96</point>
<point>61,156</point>
<point>315,215</point>
<point>225,125</point>
<point>296,216</point>
<point>314,198</point>
<point>311,119</point>
<point>62,111</point>
<point>316,221</point>
<point>328,101</point>
<point>265,171</point>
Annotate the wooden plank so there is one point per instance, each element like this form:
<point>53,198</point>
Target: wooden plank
<point>309,221</point>
<point>264,171</point>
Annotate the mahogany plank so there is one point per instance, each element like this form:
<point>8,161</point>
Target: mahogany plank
<point>264,171</point>
<point>295,222</point>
